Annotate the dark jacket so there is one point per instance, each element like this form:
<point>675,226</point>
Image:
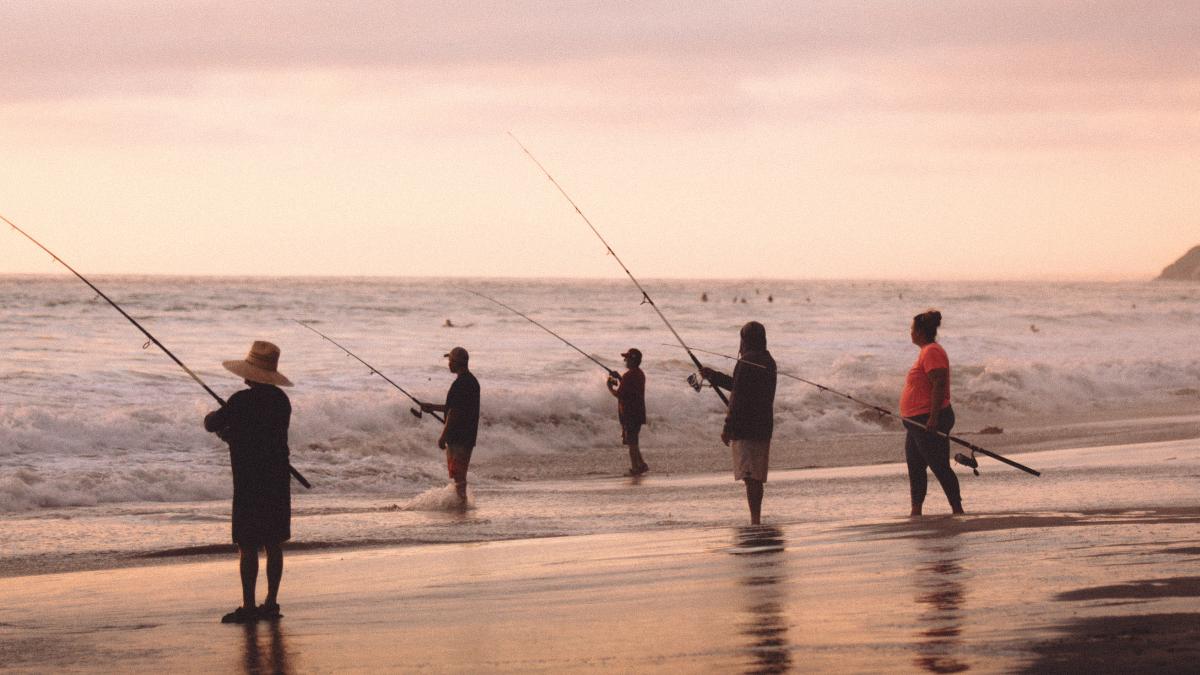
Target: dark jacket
<point>463,398</point>
<point>751,413</point>
<point>255,424</point>
<point>631,398</point>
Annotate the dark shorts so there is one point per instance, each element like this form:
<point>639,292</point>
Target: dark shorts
<point>629,434</point>
<point>262,506</point>
<point>262,523</point>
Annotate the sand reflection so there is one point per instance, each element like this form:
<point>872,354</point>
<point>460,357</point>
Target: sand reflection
<point>941,593</point>
<point>764,624</point>
<point>271,657</point>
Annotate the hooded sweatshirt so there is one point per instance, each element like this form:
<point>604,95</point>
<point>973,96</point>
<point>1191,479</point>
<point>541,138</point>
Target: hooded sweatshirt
<point>751,413</point>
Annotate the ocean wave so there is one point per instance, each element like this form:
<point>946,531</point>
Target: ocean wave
<point>366,441</point>
<point>88,418</point>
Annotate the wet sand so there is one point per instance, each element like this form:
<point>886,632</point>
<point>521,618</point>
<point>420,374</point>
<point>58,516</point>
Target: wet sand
<point>1036,586</point>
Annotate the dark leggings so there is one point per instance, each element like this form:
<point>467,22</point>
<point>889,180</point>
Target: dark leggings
<point>923,449</point>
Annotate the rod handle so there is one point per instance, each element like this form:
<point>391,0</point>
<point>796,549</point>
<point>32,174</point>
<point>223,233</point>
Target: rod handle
<point>299,477</point>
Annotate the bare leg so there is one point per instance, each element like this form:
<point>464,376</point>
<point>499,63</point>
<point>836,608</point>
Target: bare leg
<point>274,572</point>
<point>458,462</point>
<point>635,459</point>
<point>754,497</point>
<point>248,566</point>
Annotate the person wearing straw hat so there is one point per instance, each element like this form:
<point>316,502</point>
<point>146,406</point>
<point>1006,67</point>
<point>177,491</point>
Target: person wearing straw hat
<point>462,420</point>
<point>254,422</point>
<point>630,391</point>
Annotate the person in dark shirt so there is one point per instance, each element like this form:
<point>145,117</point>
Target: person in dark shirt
<point>254,422</point>
<point>750,420</point>
<point>462,420</point>
<point>630,390</point>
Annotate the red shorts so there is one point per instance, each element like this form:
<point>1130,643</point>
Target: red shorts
<point>458,459</point>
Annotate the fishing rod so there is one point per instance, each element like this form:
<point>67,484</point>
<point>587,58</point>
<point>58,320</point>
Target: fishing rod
<point>645,296</point>
<point>610,371</point>
<point>415,411</point>
<point>295,474</point>
<point>908,422</point>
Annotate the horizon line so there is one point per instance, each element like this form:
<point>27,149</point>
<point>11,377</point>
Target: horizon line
<point>501,277</point>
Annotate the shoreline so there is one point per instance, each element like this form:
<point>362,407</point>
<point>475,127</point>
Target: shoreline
<point>1178,421</point>
<point>395,534</point>
<point>1094,563</point>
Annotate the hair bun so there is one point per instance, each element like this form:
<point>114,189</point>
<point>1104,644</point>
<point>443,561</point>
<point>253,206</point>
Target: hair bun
<point>935,317</point>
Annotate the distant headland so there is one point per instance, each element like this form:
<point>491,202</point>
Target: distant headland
<point>1186,268</point>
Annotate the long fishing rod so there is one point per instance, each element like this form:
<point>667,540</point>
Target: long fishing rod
<point>374,371</point>
<point>295,474</point>
<point>908,422</point>
<point>645,296</point>
<point>610,371</point>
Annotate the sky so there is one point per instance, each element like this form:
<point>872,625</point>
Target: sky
<point>816,139</point>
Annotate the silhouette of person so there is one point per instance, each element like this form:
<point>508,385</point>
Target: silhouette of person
<point>925,405</point>
<point>630,391</point>
<point>254,422</point>
<point>749,422</point>
<point>462,420</point>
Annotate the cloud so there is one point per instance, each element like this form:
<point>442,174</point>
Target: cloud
<point>67,47</point>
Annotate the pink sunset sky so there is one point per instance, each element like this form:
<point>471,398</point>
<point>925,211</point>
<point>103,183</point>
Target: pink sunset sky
<point>940,140</point>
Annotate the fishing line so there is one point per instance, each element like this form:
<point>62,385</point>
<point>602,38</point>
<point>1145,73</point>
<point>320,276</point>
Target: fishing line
<point>374,371</point>
<point>908,422</point>
<point>645,296</point>
<point>296,474</point>
<point>610,371</point>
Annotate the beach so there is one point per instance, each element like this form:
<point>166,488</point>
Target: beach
<point>1090,568</point>
<point>114,504</point>
<point>494,320</point>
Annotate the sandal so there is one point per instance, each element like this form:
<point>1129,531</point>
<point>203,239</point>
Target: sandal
<point>240,615</point>
<point>269,611</point>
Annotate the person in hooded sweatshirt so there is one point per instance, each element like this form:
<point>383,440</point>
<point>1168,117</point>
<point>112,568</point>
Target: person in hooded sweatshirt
<point>750,421</point>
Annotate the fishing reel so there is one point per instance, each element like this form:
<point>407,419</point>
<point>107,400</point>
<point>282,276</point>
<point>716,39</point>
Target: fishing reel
<point>968,461</point>
<point>696,381</point>
<point>416,412</point>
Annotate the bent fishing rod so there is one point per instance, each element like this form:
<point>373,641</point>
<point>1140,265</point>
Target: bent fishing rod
<point>374,371</point>
<point>295,474</point>
<point>908,422</point>
<point>645,296</point>
<point>612,373</point>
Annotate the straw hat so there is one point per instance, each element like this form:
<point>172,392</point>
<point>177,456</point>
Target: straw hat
<point>260,365</point>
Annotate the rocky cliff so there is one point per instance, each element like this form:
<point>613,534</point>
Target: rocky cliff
<point>1186,268</point>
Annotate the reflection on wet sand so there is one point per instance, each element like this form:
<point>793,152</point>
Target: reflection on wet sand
<point>762,573</point>
<point>938,580</point>
<point>256,659</point>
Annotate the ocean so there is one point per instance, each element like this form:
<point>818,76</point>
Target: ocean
<point>102,453</point>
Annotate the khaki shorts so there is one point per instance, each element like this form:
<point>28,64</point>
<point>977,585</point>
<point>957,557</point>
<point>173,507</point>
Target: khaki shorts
<point>750,459</point>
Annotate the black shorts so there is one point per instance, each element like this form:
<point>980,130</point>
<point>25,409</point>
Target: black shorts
<point>629,433</point>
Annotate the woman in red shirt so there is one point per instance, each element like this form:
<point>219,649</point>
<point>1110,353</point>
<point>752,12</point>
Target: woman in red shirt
<point>925,405</point>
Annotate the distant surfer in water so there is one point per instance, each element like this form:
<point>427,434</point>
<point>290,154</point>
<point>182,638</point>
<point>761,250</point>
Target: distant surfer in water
<point>255,424</point>
<point>462,420</point>
<point>750,420</point>
<point>630,391</point>
<point>926,400</point>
